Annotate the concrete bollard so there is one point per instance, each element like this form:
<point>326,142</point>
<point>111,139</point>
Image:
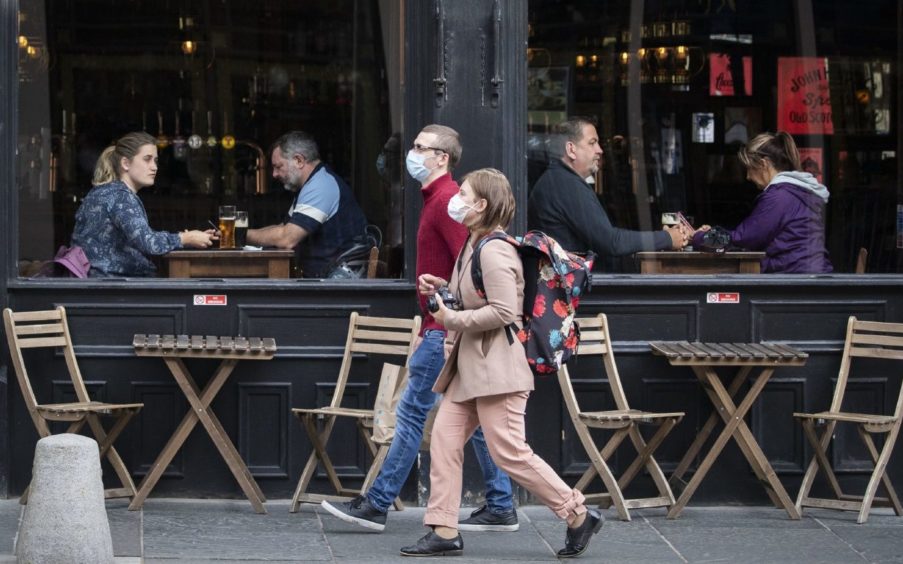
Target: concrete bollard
<point>66,518</point>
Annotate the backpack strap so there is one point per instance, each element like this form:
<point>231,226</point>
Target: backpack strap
<point>476,272</point>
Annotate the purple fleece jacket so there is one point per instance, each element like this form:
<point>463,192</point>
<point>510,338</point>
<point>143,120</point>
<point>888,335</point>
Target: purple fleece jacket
<point>788,224</point>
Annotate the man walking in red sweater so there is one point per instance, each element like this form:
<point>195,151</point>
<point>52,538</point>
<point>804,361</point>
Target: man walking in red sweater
<point>436,150</point>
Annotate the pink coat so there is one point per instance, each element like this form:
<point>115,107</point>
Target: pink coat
<point>482,361</point>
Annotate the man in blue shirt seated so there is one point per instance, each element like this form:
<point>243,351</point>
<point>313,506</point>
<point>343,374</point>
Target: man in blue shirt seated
<point>324,220</point>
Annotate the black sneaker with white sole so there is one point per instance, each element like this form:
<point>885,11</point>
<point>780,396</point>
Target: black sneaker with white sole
<point>358,511</point>
<point>483,519</point>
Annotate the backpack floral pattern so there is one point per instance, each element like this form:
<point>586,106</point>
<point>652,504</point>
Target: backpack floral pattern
<point>555,280</point>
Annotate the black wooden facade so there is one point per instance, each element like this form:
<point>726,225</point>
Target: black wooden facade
<point>479,90</point>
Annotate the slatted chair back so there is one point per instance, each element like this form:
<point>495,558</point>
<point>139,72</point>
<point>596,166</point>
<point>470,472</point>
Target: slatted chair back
<point>40,329</point>
<point>390,336</point>
<point>596,341</point>
<point>868,339</point>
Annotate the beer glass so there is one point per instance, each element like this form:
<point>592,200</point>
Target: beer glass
<point>227,227</point>
<point>241,229</point>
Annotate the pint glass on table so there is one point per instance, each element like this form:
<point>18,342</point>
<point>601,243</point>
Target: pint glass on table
<point>241,229</point>
<point>227,227</point>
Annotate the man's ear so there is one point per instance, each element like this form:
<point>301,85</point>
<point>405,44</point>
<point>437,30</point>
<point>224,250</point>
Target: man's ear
<point>299,159</point>
<point>570,150</point>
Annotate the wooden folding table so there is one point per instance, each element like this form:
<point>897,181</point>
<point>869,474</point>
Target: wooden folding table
<point>705,359</point>
<point>173,349</point>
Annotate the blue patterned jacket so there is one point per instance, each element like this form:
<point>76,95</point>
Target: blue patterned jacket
<point>111,226</point>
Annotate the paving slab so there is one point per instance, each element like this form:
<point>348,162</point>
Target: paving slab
<point>10,514</point>
<point>617,541</point>
<point>230,530</point>
<point>125,528</point>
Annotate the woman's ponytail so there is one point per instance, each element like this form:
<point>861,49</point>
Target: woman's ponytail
<point>791,152</point>
<point>105,170</point>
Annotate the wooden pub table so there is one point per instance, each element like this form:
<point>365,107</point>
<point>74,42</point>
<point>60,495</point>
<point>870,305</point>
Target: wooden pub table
<point>234,263</point>
<point>173,349</point>
<point>705,359</point>
<point>696,262</point>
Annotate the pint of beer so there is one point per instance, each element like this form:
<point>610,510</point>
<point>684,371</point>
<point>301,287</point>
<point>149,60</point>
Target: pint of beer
<point>241,229</point>
<point>227,227</point>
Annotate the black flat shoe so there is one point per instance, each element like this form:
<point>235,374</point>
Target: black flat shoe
<point>432,544</point>
<point>577,539</point>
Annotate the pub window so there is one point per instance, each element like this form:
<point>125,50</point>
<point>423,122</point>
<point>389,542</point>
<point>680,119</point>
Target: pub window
<point>677,87</point>
<point>215,83</point>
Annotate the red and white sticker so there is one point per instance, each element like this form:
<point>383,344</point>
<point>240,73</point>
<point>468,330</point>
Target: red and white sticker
<point>210,299</point>
<point>723,298</point>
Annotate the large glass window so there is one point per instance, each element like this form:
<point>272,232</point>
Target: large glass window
<point>678,86</point>
<point>215,82</point>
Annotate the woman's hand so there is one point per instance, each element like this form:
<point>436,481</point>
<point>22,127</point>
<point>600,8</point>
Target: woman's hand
<point>197,239</point>
<point>441,313</point>
<point>427,284</point>
<point>703,228</point>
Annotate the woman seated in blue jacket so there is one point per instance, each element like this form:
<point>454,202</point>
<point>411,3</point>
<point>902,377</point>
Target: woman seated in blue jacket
<point>111,224</point>
<point>787,221</point>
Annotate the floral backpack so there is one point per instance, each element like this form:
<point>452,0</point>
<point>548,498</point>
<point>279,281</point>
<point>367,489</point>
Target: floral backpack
<point>555,280</point>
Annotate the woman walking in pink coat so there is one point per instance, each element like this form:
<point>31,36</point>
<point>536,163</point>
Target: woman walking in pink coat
<point>486,380</point>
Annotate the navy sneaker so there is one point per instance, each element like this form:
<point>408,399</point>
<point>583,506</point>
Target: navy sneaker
<point>358,511</point>
<point>483,519</point>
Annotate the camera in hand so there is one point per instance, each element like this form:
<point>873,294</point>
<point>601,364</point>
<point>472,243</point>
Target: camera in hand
<point>447,298</point>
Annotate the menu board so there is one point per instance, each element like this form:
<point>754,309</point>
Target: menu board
<point>804,100</point>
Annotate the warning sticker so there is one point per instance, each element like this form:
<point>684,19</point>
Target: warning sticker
<point>210,299</point>
<point>723,298</point>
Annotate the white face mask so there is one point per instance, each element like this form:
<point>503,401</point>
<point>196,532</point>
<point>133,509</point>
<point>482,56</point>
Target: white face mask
<point>416,168</point>
<point>458,208</point>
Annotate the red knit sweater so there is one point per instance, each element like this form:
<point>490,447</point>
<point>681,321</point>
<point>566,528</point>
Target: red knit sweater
<point>439,238</point>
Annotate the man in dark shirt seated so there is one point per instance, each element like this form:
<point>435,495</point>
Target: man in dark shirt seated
<point>565,207</point>
<point>324,220</point>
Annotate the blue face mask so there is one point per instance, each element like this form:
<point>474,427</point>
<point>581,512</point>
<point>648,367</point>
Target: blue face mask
<point>416,168</point>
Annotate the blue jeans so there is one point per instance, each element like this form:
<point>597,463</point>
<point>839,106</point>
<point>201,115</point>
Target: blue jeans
<point>410,416</point>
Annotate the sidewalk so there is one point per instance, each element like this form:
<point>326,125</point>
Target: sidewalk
<point>198,531</point>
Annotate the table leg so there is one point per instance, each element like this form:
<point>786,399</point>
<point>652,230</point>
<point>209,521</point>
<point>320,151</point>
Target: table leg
<point>733,417</point>
<point>217,433</point>
<point>710,380</point>
<point>182,377</point>
<point>676,478</point>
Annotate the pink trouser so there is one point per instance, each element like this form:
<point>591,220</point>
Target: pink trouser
<point>502,419</point>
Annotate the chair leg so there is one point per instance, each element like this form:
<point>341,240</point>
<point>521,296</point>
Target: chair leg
<point>644,458</point>
<point>319,444</point>
<point>885,479</point>
<point>597,460</point>
<point>819,460</point>
<point>379,454</point>
<point>878,474</point>
<point>105,444</point>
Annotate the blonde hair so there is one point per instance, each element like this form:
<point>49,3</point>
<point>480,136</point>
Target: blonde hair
<point>777,148</point>
<point>448,140</point>
<point>491,185</point>
<point>109,167</point>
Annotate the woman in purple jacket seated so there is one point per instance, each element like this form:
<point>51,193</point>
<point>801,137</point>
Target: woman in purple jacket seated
<point>788,219</point>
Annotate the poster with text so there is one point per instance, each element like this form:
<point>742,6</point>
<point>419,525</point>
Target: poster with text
<point>812,161</point>
<point>722,77</point>
<point>804,100</point>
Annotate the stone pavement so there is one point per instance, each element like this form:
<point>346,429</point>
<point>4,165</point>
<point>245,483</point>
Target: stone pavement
<point>198,531</point>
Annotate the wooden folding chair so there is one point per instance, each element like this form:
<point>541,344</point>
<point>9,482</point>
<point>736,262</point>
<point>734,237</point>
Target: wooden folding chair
<point>49,329</point>
<point>389,336</point>
<point>624,421</point>
<point>865,339</point>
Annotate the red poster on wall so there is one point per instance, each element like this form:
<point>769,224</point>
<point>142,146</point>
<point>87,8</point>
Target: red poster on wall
<point>804,96</point>
<point>722,77</point>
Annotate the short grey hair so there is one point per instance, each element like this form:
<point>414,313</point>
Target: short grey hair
<point>297,143</point>
<point>568,131</point>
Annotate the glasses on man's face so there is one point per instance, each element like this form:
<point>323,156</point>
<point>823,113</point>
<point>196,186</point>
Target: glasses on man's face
<point>421,148</point>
